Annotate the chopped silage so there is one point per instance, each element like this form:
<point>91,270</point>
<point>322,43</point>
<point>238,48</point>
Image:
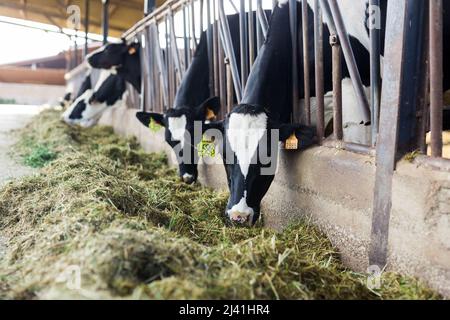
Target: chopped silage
<point>121,219</point>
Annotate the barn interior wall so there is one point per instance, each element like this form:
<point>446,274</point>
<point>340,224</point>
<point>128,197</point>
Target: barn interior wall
<point>334,189</point>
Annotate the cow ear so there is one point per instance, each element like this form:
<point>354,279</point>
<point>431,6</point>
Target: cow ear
<point>298,134</point>
<point>214,125</point>
<point>209,109</point>
<point>133,49</point>
<point>145,118</point>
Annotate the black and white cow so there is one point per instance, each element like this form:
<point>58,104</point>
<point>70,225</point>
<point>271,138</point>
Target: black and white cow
<point>122,57</point>
<point>193,104</point>
<point>68,98</point>
<point>251,132</point>
<point>119,63</point>
<point>109,92</point>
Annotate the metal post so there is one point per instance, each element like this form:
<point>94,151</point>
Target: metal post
<point>243,32</point>
<point>306,69</point>
<point>105,20</point>
<point>193,22</point>
<point>209,36</point>
<point>149,6</point>
<point>179,70</point>
<point>436,76</point>
<point>351,61</point>
<point>318,45</point>
<point>375,74</point>
<point>388,136</point>
<point>294,41</point>
<point>160,63</point>
<point>86,27</point>
<point>337,87</point>
<point>228,44</point>
<point>251,33</point>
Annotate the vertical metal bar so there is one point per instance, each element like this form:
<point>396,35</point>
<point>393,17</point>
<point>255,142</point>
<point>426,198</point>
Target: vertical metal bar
<point>161,64</point>
<point>230,92</point>
<point>318,56</point>
<point>75,45</point>
<point>436,76</point>
<point>294,41</point>
<point>388,136</point>
<point>105,20</point>
<point>243,33</point>
<point>179,70</point>
<point>86,26</point>
<point>209,36</point>
<point>186,44</point>
<point>251,34</point>
<point>375,73</point>
<point>215,50</point>
<point>306,58</point>
<point>149,6</point>
<point>201,15</point>
<point>350,59</point>
<point>222,78</point>
<point>193,23</point>
<point>228,44</point>
<point>337,88</point>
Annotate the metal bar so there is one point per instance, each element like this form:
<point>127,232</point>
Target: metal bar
<point>149,6</point>
<point>201,15</point>
<point>193,23</point>
<point>251,34</point>
<point>243,35</point>
<point>174,48</point>
<point>105,20</point>
<point>233,5</point>
<point>294,41</point>
<point>222,79</point>
<point>161,64</point>
<point>436,77</point>
<point>388,136</point>
<point>318,53</point>
<point>215,50</point>
<point>350,59</point>
<point>230,92</point>
<point>262,18</point>
<point>186,44</point>
<point>306,58</point>
<point>145,73</point>
<point>86,26</point>
<point>375,74</point>
<point>337,88</point>
<point>209,36</point>
<point>228,44</point>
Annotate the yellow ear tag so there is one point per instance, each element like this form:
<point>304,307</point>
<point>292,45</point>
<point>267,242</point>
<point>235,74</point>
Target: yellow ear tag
<point>132,51</point>
<point>291,143</point>
<point>154,126</point>
<point>206,148</point>
<point>210,115</point>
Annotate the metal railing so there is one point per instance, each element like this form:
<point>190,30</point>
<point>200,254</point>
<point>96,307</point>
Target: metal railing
<point>167,52</point>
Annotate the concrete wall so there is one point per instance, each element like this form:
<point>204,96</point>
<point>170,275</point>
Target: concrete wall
<point>335,189</point>
<point>31,94</point>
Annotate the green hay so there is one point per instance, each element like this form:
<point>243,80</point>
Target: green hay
<point>123,218</point>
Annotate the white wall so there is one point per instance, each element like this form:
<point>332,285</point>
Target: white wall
<point>33,94</point>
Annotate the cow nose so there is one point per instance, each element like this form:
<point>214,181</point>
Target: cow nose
<point>241,212</point>
<point>188,178</point>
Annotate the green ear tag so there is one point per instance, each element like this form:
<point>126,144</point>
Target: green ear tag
<point>154,126</point>
<point>206,148</point>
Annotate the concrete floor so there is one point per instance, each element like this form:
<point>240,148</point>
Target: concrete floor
<point>12,117</point>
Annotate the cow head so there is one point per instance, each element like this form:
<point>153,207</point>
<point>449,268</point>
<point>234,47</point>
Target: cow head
<point>123,57</point>
<point>250,153</point>
<point>183,131</point>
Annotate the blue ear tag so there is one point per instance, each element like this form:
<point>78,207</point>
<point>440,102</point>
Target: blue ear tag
<point>206,148</point>
<point>154,126</point>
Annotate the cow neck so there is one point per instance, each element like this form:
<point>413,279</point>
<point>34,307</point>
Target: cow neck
<point>194,87</point>
<point>131,70</point>
<point>269,84</point>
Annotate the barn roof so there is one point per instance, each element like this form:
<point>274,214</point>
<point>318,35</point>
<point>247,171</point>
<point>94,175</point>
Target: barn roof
<point>123,14</point>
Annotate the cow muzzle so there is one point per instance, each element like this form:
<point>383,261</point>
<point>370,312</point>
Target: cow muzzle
<point>241,213</point>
